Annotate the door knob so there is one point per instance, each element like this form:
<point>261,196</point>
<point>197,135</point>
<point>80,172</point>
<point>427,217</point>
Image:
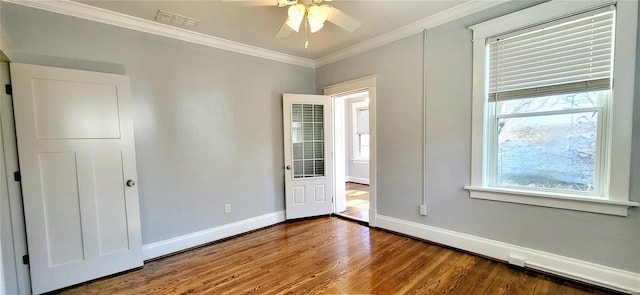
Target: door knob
<point>131,183</point>
<point>288,167</point>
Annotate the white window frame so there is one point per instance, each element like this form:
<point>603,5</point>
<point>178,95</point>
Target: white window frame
<point>613,198</point>
<point>357,158</point>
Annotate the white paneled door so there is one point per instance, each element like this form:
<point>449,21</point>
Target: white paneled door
<point>307,154</point>
<point>77,159</point>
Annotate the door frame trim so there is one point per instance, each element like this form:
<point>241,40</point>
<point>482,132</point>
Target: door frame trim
<point>367,83</point>
<point>14,191</point>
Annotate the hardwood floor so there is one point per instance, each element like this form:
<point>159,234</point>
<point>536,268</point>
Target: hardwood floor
<point>357,201</point>
<point>327,256</point>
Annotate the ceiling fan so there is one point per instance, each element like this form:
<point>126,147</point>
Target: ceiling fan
<point>313,14</point>
<point>316,14</point>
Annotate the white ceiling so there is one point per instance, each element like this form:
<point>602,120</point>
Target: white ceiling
<point>254,25</point>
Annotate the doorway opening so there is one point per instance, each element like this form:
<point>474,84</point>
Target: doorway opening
<point>364,89</point>
<point>352,142</point>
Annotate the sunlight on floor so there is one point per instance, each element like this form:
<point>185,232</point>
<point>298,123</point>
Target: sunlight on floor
<point>355,192</point>
<point>357,203</point>
<point>362,204</point>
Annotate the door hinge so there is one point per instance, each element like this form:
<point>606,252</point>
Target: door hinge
<point>8,89</point>
<point>17,176</point>
<point>25,259</point>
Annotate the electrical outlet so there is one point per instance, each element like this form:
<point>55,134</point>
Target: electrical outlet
<point>423,210</point>
<point>227,208</point>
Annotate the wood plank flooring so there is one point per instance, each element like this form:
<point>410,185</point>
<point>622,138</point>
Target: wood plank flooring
<point>357,201</point>
<point>327,255</point>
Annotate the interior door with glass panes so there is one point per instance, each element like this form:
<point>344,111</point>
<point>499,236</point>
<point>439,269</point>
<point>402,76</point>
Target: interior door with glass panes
<point>307,155</point>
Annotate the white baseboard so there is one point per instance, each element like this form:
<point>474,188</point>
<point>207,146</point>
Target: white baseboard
<point>358,179</point>
<point>588,272</point>
<point>180,243</point>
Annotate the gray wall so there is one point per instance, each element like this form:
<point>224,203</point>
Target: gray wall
<point>608,240</point>
<point>208,123</point>
<point>398,103</point>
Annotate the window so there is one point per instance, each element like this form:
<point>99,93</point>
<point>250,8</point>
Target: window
<point>548,142</point>
<point>548,87</point>
<point>363,146</point>
<point>360,131</point>
<point>544,98</point>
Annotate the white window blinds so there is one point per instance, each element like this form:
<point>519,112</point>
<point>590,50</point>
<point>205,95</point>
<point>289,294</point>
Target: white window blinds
<point>569,55</point>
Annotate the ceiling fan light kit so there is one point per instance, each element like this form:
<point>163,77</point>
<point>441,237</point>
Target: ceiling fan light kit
<point>316,16</point>
<point>296,14</point>
<point>283,3</point>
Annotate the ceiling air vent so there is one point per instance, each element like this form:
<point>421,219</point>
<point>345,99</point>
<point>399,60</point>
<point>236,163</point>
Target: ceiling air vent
<point>176,19</point>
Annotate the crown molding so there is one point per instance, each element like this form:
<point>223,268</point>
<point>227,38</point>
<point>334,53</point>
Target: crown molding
<point>97,14</point>
<point>435,20</point>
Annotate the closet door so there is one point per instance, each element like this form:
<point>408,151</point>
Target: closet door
<point>77,159</point>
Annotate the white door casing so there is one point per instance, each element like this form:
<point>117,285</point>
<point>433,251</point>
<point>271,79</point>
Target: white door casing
<point>339,154</point>
<point>367,83</point>
<point>307,155</point>
<point>76,150</point>
<point>14,239</point>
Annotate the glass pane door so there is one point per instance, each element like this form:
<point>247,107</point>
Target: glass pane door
<point>307,136</point>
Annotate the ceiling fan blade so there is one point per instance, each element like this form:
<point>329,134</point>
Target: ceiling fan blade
<point>285,30</point>
<point>253,2</point>
<point>343,20</point>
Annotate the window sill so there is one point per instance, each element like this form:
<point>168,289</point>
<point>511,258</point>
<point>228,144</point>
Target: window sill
<point>562,201</point>
<point>360,161</point>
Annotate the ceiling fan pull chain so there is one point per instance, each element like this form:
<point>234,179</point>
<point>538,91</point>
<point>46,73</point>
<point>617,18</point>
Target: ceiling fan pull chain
<point>306,36</point>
